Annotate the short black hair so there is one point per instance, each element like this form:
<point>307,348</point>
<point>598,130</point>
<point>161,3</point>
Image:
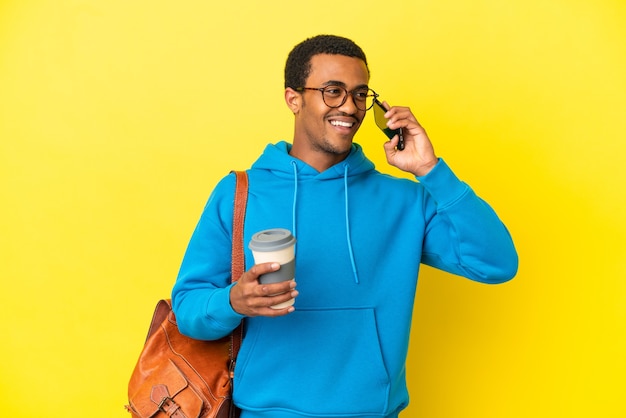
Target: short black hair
<point>298,66</point>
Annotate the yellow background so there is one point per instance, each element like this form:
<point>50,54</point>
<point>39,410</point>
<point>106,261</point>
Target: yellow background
<point>118,117</point>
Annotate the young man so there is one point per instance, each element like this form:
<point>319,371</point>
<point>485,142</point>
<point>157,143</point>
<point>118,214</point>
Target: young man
<point>361,236</point>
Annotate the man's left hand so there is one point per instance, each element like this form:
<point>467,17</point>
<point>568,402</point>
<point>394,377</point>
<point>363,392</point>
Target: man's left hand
<point>418,156</point>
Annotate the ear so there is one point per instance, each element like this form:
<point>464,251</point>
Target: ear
<point>293,100</point>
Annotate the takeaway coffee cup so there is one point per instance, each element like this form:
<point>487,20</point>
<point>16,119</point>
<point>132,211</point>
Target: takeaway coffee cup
<point>275,245</point>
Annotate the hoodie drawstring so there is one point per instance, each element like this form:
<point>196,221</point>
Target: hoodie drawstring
<point>349,241</point>
<point>295,197</point>
<point>347,214</point>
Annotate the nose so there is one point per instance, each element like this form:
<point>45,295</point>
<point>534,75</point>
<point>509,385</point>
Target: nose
<point>349,106</point>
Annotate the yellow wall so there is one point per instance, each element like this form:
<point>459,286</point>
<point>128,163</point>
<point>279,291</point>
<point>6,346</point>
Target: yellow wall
<point>117,118</point>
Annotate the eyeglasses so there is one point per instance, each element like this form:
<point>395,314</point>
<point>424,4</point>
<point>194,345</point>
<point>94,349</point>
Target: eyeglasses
<point>336,96</point>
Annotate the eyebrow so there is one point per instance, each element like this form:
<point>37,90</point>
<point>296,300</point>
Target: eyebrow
<point>342,84</point>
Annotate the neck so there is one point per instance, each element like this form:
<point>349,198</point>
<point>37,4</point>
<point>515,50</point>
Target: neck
<point>319,159</point>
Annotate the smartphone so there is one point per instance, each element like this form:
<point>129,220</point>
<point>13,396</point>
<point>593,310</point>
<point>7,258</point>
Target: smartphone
<point>381,122</point>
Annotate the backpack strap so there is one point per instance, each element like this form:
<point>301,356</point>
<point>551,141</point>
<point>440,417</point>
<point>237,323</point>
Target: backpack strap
<point>238,257</point>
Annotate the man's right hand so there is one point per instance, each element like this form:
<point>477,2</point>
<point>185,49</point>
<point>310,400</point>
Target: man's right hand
<point>250,298</point>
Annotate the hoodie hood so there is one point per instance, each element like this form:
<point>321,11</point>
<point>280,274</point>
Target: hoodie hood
<point>276,159</point>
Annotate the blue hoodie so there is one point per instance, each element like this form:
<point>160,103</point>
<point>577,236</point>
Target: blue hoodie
<point>361,236</point>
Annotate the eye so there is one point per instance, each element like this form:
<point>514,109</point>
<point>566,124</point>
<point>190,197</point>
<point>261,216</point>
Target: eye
<point>333,91</point>
<point>361,94</point>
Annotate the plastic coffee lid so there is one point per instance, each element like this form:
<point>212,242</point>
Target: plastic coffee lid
<point>271,240</point>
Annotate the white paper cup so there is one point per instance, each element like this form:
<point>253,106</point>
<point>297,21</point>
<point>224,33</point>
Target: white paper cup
<point>275,246</point>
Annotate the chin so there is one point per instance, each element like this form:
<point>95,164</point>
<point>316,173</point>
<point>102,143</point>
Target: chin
<point>343,143</point>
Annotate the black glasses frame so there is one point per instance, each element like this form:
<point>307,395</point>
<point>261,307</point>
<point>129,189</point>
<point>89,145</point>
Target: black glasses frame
<point>323,90</point>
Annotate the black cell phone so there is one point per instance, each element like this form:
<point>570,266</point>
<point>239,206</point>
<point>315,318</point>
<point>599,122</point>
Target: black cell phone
<point>381,122</point>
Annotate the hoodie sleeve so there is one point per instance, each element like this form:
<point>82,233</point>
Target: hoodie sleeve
<point>201,294</point>
<point>464,236</point>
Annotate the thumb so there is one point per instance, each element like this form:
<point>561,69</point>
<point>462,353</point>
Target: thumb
<point>391,144</point>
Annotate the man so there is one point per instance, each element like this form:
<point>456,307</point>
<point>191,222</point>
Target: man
<point>361,235</point>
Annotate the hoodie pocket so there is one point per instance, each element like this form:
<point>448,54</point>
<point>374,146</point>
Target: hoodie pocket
<point>319,362</point>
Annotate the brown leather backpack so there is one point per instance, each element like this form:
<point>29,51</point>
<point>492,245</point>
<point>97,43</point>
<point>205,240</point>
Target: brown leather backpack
<point>180,377</point>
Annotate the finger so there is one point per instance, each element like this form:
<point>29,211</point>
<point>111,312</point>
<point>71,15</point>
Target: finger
<point>257,270</point>
<point>401,119</point>
<point>273,312</point>
<point>409,125</point>
<point>276,288</point>
<point>402,114</point>
<point>264,306</point>
<point>271,294</point>
<point>274,295</point>
<point>278,299</point>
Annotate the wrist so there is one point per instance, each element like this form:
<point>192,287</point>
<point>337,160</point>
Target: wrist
<point>426,168</point>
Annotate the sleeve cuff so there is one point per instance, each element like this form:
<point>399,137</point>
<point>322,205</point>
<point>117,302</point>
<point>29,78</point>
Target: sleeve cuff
<point>443,185</point>
<point>221,303</point>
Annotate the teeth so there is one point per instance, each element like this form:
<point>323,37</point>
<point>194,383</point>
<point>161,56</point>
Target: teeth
<point>340,123</point>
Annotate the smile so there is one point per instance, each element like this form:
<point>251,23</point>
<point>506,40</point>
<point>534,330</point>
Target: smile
<point>341,123</point>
